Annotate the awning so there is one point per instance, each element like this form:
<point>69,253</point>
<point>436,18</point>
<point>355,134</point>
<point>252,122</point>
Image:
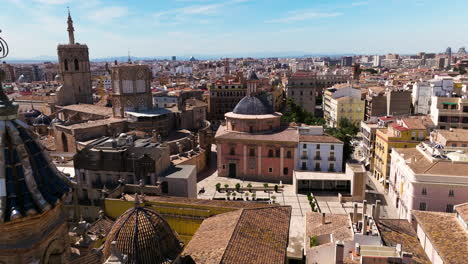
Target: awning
<point>448,103</point>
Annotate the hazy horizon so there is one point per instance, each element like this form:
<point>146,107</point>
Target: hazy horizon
<point>233,27</point>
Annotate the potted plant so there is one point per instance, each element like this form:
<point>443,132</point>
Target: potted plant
<point>276,188</point>
<point>218,187</point>
<point>250,187</point>
<point>265,186</point>
<point>228,195</point>
<point>246,196</point>
<point>234,196</point>
<point>238,187</point>
<point>226,186</point>
<point>253,196</point>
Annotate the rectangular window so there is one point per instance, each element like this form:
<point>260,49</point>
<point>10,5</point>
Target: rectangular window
<point>332,147</point>
<point>285,171</point>
<point>252,152</point>
<point>331,167</point>
<point>304,146</point>
<point>270,170</point>
<point>422,206</point>
<point>451,193</point>
<point>278,153</point>
<point>304,165</point>
<point>318,146</point>
<point>424,191</point>
<point>317,166</point>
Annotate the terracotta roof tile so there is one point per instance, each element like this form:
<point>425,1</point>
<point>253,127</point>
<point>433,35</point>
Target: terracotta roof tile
<point>400,231</point>
<point>253,236</point>
<point>446,234</point>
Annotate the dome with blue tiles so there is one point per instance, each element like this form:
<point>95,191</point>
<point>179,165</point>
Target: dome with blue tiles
<point>30,183</point>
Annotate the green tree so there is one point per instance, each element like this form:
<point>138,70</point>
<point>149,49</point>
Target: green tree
<point>345,132</point>
<point>296,113</point>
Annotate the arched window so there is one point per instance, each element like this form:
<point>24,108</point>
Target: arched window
<point>77,65</point>
<point>278,153</point>
<point>270,153</point>
<point>65,65</point>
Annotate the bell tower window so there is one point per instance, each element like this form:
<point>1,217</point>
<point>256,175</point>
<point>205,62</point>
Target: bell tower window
<point>65,64</point>
<point>77,65</point>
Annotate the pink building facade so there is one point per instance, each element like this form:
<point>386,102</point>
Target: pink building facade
<point>419,181</point>
<point>253,146</point>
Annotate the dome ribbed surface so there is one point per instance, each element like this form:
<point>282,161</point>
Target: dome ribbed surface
<point>42,120</point>
<point>253,105</point>
<point>31,181</point>
<point>144,236</point>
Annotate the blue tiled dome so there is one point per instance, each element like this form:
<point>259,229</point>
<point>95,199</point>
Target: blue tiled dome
<point>253,105</point>
<point>29,181</point>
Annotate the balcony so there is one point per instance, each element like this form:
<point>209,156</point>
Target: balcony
<point>304,157</point>
<point>317,158</point>
<point>331,159</point>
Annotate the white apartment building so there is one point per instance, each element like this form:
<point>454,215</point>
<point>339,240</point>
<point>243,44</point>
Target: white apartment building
<point>421,97</point>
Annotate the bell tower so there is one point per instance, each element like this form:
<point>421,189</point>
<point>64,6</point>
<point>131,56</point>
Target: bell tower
<point>75,71</point>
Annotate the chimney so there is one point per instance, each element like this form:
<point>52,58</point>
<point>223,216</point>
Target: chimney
<point>364,225</point>
<point>364,207</point>
<point>377,211</point>
<point>357,249</point>
<point>323,218</point>
<point>339,252</point>
<point>355,218</point>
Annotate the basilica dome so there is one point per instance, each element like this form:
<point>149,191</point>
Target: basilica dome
<point>253,105</point>
<point>144,236</point>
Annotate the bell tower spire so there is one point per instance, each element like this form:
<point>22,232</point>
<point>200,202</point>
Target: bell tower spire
<point>70,29</point>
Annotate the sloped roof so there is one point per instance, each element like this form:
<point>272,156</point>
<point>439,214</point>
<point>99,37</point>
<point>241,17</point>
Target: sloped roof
<point>256,236</point>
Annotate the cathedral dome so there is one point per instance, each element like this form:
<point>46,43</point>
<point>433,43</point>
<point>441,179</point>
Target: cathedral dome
<point>253,105</point>
<point>144,236</point>
<point>29,182</point>
<point>42,120</point>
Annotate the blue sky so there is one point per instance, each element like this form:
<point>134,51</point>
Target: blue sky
<point>222,27</point>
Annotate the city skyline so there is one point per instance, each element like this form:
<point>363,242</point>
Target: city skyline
<point>233,27</point>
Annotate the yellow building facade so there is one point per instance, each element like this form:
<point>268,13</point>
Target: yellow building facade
<point>397,135</point>
<point>343,102</point>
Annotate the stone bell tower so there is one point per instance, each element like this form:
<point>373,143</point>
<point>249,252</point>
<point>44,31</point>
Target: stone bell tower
<point>74,69</point>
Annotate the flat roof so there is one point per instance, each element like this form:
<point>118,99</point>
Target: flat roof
<point>314,175</point>
<point>149,113</point>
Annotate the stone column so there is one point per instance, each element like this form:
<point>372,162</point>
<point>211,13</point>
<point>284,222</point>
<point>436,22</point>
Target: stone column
<point>259,155</point>
<point>219,155</point>
<point>245,159</point>
<point>281,161</point>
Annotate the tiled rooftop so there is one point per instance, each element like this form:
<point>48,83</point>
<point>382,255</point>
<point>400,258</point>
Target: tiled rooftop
<point>422,165</point>
<point>338,225</point>
<point>399,231</point>
<point>254,236</point>
<point>446,234</point>
<point>286,135</point>
<point>319,139</point>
